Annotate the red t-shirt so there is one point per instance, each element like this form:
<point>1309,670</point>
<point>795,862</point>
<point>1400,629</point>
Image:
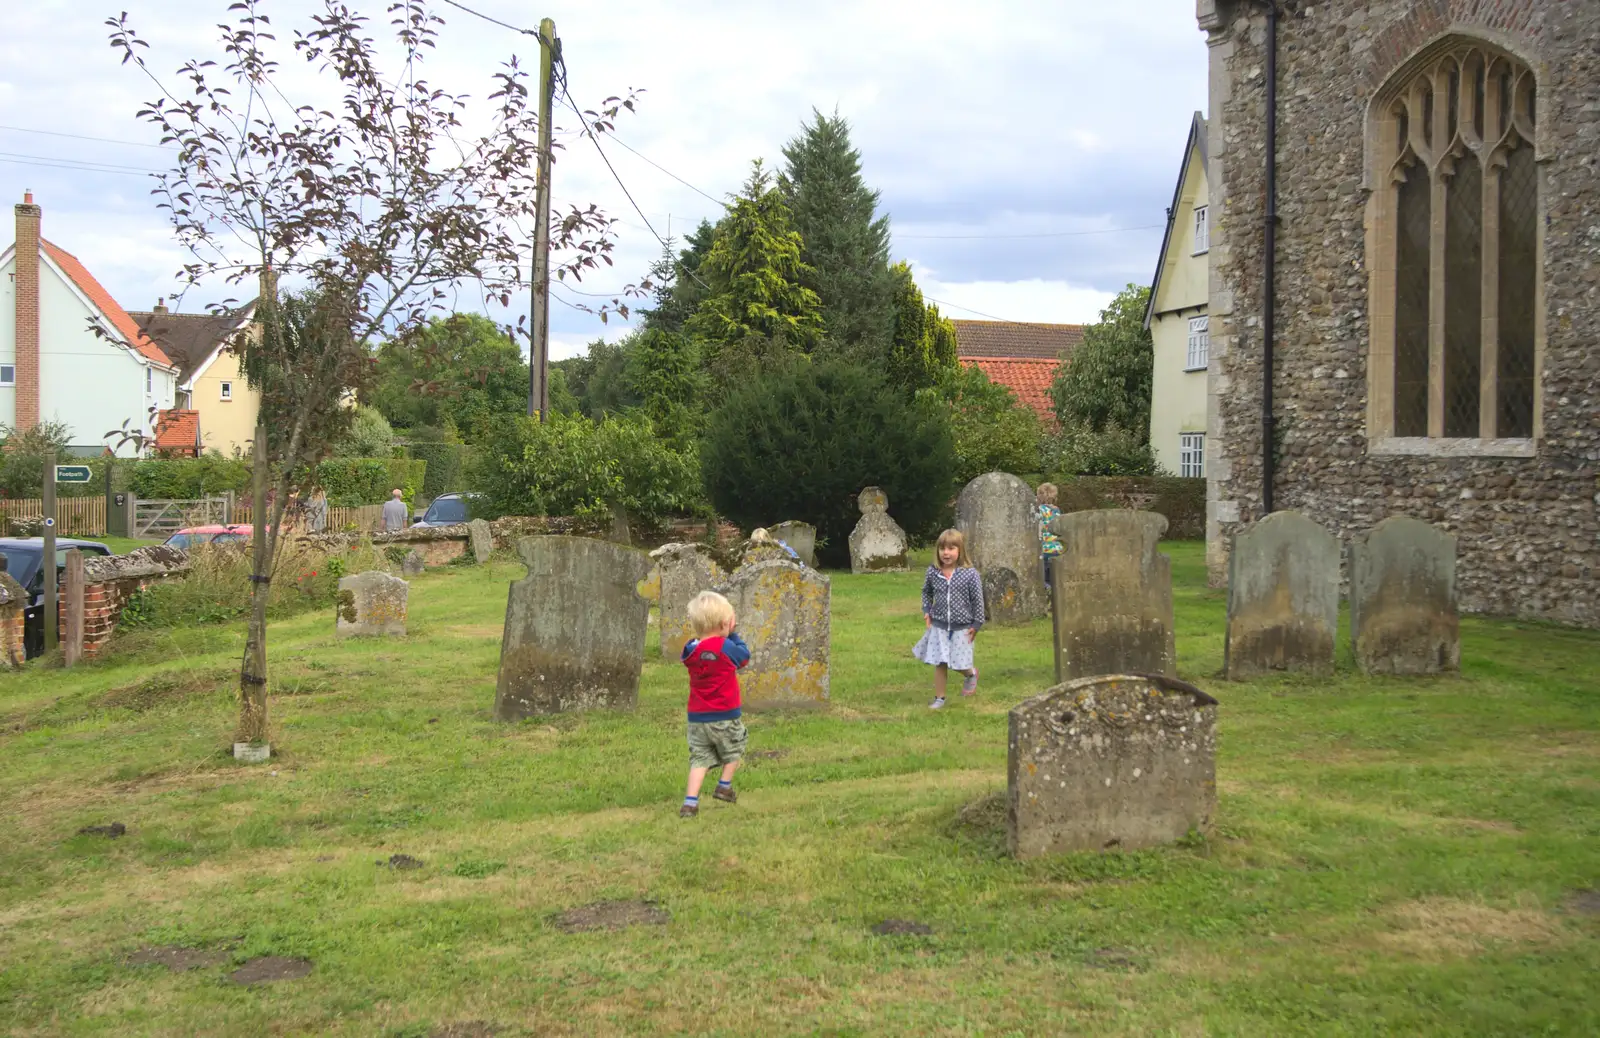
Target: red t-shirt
<point>714,665</point>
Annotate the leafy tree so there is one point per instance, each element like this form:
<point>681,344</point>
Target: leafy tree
<point>1107,384</point>
<point>846,241</point>
<point>678,286</point>
<point>802,439</point>
<point>663,370</point>
<point>597,381</point>
<point>923,346</point>
<point>755,276</point>
<point>22,455</point>
<point>454,371</point>
<point>991,430</point>
<point>369,436</point>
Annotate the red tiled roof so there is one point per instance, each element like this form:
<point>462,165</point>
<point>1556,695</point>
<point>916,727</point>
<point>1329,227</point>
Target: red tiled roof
<point>1014,339</point>
<point>178,431</point>
<point>102,299</point>
<point>1028,377</point>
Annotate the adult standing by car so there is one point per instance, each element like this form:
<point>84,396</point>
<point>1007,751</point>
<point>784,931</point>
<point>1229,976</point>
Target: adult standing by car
<point>394,514</point>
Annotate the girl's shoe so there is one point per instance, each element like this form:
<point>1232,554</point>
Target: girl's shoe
<point>970,685</point>
<point>937,704</point>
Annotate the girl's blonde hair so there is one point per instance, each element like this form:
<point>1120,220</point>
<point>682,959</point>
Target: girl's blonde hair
<point>955,539</point>
<point>1046,494</point>
<point>708,611</point>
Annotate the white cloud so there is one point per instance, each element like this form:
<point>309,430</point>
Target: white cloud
<point>1049,302</point>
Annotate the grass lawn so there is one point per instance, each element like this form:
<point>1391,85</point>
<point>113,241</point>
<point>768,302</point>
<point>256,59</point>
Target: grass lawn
<point>1391,856</point>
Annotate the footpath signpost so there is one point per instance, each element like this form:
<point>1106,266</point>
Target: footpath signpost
<point>54,474</point>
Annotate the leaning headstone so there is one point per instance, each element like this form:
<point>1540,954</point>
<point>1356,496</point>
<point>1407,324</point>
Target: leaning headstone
<point>783,613</point>
<point>481,539</point>
<point>412,565</point>
<point>1283,597</point>
<point>1112,595</point>
<point>802,537</point>
<point>685,571</point>
<point>1116,761</point>
<point>575,627</point>
<point>995,514</point>
<point>1403,613</point>
<point>877,544</point>
<point>371,603</point>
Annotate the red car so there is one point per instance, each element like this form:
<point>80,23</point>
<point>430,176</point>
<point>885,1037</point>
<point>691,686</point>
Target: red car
<point>194,536</point>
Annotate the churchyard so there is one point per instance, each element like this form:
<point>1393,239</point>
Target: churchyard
<point>1416,855</point>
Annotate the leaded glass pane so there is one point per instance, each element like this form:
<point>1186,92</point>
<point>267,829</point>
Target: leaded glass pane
<point>1463,297</point>
<point>1519,266</point>
<point>1413,218</point>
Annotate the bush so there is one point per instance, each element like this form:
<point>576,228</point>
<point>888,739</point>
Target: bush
<point>369,436</point>
<point>446,462</point>
<point>991,430</point>
<point>185,479</point>
<point>802,440</point>
<point>574,466</point>
<point>351,482</point>
<point>22,457</point>
<point>1078,451</point>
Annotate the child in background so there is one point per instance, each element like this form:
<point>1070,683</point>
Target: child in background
<point>1047,512</point>
<point>952,610</point>
<point>716,734</point>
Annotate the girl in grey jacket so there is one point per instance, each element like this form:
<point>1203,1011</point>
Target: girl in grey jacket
<point>952,612</point>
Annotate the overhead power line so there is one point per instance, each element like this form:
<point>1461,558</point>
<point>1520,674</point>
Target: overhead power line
<point>503,25</point>
<point>667,171</point>
<point>50,162</point>
<point>85,137</point>
<point>980,313</point>
<point>1041,234</point>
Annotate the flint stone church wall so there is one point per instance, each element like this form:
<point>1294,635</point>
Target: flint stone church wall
<point>1528,527</point>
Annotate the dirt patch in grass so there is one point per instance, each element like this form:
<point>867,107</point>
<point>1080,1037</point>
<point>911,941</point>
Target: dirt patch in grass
<point>1584,902</point>
<point>465,1029</point>
<point>493,632</point>
<point>1118,959</point>
<point>754,755</point>
<point>161,689</point>
<point>901,926</point>
<point>1449,926</point>
<point>111,831</point>
<point>269,969</point>
<point>402,862</point>
<point>177,959</point>
<point>610,915</point>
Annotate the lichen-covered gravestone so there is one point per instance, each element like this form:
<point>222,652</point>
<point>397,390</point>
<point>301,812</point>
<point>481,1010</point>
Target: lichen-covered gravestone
<point>1403,613</point>
<point>371,603</point>
<point>783,613</point>
<point>995,514</point>
<point>1283,597</point>
<point>685,571</point>
<point>575,628</point>
<point>413,565</point>
<point>1115,761</point>
<point>1112,595</point>
<point>802,537</point>
<point>481,538</point>
<point>877,544</point>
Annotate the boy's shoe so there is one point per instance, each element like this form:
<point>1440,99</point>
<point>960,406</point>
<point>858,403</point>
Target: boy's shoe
<point>937,704</point>
<point>970,685</point>
<point>730,797</point>
<point>688,811</point>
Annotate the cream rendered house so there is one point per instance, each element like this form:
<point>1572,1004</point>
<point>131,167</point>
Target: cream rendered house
<point>1178,322</point>
<point>211,387</point>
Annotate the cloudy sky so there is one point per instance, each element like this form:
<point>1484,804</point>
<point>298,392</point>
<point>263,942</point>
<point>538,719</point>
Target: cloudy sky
<point>1025,149</point>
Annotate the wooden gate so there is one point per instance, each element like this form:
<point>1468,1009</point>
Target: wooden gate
<point>161,519</point>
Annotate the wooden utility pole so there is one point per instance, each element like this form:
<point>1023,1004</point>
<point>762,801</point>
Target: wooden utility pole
<point>72,637</point>
<point>47,561</point>
<point>539,351</point>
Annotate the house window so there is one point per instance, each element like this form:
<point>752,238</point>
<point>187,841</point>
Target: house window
<point>1192,455</point>
<point>1456,253</point>
<point>149,380</point>
<point>227,391</point>
<point>1199,343</point>
<point>8,374</point>
<point>1202,229</point>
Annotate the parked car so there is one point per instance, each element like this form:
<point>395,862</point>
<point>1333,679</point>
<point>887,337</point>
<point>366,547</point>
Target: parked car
<point>194,536</point>
<point>24,556</point>
<point>447,510</point>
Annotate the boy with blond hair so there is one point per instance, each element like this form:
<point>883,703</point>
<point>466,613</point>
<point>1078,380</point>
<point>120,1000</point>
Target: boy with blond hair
<point>716,734</point>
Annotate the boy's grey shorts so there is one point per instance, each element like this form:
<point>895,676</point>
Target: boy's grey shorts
<point>715,743</point>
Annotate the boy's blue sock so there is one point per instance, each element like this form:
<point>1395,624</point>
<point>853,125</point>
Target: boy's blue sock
<point>691,801</point>
<point>725,783</point>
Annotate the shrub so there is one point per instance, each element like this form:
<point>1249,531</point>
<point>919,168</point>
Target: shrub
<point>351,482</point>
<point>446,463</point>
<point>991,430</point>
<point>185,479</point>
<point>22,457</point>
<point>575,466</point>
<point>369,436</point>
<point>1078,451</point>
<point>802,440</point>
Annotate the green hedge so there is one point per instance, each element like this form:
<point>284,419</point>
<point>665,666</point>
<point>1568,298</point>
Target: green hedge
<point>185,479</point>
<point>446,463</point>
<point>368,481</point>
<point>1181,499</point>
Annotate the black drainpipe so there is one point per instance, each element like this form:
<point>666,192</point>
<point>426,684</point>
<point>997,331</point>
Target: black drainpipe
<point>1269,260</point>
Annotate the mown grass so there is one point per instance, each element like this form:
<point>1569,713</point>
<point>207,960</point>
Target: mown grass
<point>1391,857</point>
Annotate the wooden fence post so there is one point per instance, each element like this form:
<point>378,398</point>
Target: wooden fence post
<point>72,640</point>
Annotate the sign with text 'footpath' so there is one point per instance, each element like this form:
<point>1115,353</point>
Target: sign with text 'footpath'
<point>72,473</point>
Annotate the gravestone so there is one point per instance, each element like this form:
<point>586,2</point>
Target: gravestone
<point>685,571</point>
<point>575,627</point>
<point>783,613</point>
<point>412,565</point>
<point>761,547</point>
<point>1112,595</point>
<point>877,544</point>
<point>1283,597</point>
<point>1115,761</point>
<point>481,540</point>
<point>371,603</point>
<point>802,537</point>
<point>1403,614</point>
<point>995,514</point>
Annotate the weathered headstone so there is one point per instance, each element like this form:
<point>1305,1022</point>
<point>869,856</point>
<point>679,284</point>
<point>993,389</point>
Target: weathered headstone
<point>481,540</point>
<point>575,628</point>
<point>877,544</point>
<point>783,613</point>
<point>802,537</point>
<point>685,571</point>
<point>995,514</point>
<point>371,603</point>
<point>1403,612</point>
<point>1112,595</point>
<point>1283,597</point>
<point>413,565</point>
<point>1116,761</point>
